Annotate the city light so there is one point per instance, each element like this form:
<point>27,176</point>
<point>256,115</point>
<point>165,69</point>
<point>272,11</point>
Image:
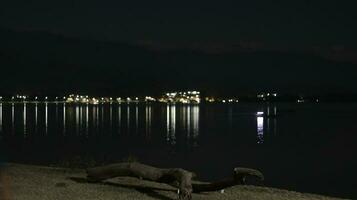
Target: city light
<point>148,98</point>
<point>175,97</point>
<point>210,99</point>
<point>188,97</point>
<point>260,113</point>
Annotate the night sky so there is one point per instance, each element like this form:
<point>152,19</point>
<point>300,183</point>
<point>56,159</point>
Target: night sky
<point>143,46</point>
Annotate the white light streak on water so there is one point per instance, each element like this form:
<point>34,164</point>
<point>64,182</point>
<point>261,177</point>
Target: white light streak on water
<point>260,129</point>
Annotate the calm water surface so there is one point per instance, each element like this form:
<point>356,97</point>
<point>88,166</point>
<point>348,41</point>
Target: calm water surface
<point>304,147</point>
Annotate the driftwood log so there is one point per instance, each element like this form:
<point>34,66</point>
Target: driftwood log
<point>176,177</point>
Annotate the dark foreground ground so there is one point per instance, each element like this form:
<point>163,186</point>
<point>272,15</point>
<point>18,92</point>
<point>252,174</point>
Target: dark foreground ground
<point>43,183</point>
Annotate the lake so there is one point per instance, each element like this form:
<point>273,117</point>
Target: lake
<point>308,147</point>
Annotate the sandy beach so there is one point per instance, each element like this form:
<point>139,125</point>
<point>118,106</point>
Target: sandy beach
<point>46,183</point>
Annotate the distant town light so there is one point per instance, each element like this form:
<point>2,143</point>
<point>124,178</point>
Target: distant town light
<point>300,101</point>
<point>260,113</point>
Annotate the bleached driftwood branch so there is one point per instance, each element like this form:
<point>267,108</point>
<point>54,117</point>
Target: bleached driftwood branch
<point>179,178</point>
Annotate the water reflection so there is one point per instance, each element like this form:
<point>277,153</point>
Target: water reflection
<point>189,120</point>
<point>271,118</point>
<point>94,117</point>
<point>110,117</point>
<point>24,119</point>
<point>77,119</point>
<point>80,119</point>
<point>184,117</point>
<point>196,118</point>
<point>97,117</point>
<point>64,118</point>
<point>136,119</point>
<point>46,117</point>
<point>148,120</point>
<point>171,124</point>
<point>128,118</point>
<point>87,120</point>
<point>1,117</point>
<point>13,117</point>
<point>168,122</point>
<point>102,110</point>
<point>260,128</point>
<point>119,118</point>
<point>182,121</point>
<point>230,118</point>
<point>36,116</point>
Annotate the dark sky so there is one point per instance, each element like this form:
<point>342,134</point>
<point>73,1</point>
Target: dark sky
<point>285,23</point>
<point>326,29</point>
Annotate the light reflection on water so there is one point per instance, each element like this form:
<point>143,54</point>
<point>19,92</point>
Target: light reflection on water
<point>46,117</point>
<point>196,135</point>
<point>188,120</point>
<point>64,118</point>
<point>36,117</point>
<point>85,120</point>
<point>24,118</point>
<point>136,119</point>
<point>119,118</point>
<point>128,118</point>
<point>13,117</point>
<point>0,117</point>
<point>266,121</point>
<point>148,115</point>
<point>260,129</point>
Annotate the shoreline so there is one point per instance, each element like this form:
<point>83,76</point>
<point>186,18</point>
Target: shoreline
<point>32,182</point>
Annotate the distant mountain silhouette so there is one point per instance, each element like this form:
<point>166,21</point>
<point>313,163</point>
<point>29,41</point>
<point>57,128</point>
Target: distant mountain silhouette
<point>40,62</point>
